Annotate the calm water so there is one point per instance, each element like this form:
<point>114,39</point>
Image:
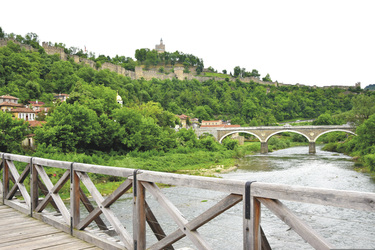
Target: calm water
<point>344,228</point>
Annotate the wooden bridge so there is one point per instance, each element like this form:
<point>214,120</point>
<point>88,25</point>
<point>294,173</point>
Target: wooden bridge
<point>27,187</point>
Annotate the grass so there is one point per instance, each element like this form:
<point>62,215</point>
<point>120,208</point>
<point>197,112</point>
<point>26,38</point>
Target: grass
<point>184,161</point>
<point>211,74</point>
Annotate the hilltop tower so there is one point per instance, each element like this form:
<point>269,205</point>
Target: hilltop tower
<point>161,47</point>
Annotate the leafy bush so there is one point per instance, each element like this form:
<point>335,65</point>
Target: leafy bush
<point>370,161</point>
<point>230,144</point>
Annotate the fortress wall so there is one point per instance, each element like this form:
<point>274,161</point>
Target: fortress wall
<point>154,73</point>
<point>4,42</point>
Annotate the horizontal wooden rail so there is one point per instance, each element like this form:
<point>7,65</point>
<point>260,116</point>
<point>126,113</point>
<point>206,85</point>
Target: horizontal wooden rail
<point>44,192</point>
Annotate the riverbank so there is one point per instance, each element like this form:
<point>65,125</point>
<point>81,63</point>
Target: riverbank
<point>182,161</point>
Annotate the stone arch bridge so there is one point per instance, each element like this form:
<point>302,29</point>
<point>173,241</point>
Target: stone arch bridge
<point>264,133</point>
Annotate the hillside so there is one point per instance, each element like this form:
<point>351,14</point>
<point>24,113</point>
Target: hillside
<point>32,75</point>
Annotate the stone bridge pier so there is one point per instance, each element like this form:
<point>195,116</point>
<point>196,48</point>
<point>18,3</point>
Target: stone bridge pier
<point>264,133</point>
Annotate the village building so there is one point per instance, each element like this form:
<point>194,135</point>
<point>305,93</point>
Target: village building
<point>36,105</point>
<point>217,122</point>
<point>26,114</point>
<point>61,97</point>
<point>187,122</point>
<point>39,107</point>
<point>7,103</point>
<point>29,141</point>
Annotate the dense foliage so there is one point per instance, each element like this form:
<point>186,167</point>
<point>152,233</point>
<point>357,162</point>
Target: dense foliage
<point>92,121</point>
<point>12,132</point>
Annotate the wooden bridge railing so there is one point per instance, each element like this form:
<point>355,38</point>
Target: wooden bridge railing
<point>41,192</point>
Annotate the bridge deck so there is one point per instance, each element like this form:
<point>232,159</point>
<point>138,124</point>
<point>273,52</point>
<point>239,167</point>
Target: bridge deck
<point>19,231</point>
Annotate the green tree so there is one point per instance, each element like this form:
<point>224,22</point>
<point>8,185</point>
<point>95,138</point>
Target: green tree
<point>187,137</point>
<point>237,71</point>
<point>363,108</point>
<point>324,119</point>
<point>141,54</point>
<point>2,33</point>
<point>12,133</point>
<point>267,78</point>
<point>71,128</point>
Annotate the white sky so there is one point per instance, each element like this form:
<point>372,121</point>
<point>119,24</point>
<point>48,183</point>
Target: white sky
<point>330,42</point>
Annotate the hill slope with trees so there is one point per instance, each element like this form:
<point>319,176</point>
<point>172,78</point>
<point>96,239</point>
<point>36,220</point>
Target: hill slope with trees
<point>92,121</point>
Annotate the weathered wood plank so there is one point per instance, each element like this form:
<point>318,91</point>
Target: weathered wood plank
<point>109,200</point>
<point>14,157</point>
<point>113,220</point>
<point>222,185</point>
<point>29,233</point>
<point>56,197</point>
<point>139,216</point>
<point>52,163</point>
<point>18,183</point>
<point>74,199</point>
<point>155,226</point>
<point>39,241</point>
<point>322,196</point>
<point>222,206</point>
<point>86,202</point>
<point>300,227</point>
<point>176,215</point>
<point>37,230</point>
<point>45,191</point>
<point>251,225</point>
<point>106,170</point>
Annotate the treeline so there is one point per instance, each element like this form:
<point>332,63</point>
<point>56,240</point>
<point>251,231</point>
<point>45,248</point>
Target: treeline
<point>92,121</point>
<point>31,75</point>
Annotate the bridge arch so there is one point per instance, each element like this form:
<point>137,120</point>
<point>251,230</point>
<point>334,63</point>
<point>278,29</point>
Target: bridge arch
<point>241,131</point>
<point>334,130</point>
<point>289,131</point>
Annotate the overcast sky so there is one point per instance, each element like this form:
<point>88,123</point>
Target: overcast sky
<point>330,42</point>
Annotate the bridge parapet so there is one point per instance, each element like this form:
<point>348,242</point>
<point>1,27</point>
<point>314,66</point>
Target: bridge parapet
<point>264,133</point>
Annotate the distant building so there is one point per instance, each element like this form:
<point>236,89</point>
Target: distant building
<point>217,122</point>
<point>26,114</point>
<point>184,122</point>
<point>36,105</point>
<point>161,47</point>
<point>183,119</point>
<point>61,97</point>
<point>7,103</point>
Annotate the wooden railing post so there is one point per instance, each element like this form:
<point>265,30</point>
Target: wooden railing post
<point>5,179</point>
<point>251,221</point>
<point>2,178</point>
<point>34,192</point>
<point>74,199</point>
<point>139,214</point>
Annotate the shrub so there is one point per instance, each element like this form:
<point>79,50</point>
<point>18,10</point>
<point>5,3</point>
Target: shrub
<point>230,144</point>
<point>370,161</point>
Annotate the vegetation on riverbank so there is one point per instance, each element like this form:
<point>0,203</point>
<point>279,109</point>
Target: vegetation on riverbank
<point>91,127</point>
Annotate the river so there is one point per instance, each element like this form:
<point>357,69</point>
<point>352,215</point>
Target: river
<point>344,228</point>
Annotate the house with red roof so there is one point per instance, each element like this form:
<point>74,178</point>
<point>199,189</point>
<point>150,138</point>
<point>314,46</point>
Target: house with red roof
<point>26,114</point>
<point>184,121</point>
<point>7,103</point>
